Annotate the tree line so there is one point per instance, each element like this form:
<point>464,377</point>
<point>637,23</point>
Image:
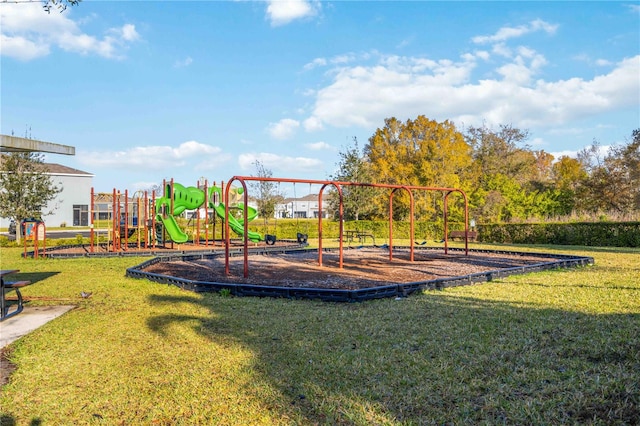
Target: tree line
<point>504,178</point>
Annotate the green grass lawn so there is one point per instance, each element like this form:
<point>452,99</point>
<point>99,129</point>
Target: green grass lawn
<point>558,347</point>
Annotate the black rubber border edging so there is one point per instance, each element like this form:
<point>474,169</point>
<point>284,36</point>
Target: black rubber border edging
<point>338,295</point>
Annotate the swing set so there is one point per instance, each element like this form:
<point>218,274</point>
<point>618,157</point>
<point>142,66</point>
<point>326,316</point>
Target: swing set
<point>338,185</point>
<point>300,237</point>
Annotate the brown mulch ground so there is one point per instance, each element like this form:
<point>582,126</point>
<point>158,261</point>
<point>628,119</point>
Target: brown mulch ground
<point>362,268</point>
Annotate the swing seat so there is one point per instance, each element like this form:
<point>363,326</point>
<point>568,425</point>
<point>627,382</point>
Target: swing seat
<point>270,239</point>
<point>302,238</point>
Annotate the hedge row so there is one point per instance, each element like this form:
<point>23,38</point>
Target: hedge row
<point>288,228</point>
<point>603,234</point>
<point>612,234</point>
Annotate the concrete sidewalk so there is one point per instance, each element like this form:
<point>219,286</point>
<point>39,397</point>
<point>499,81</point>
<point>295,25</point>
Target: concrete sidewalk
<point>31,318</point>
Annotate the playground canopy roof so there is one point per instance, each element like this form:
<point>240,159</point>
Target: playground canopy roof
<point>16,144</point>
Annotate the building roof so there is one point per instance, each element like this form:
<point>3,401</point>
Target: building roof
<point>59,169</point>
<point>55,169</point>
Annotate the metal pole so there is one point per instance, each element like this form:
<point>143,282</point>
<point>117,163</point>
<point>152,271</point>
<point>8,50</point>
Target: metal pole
<point>114,215</point>
<point>341,225</point>
<point>206,213</point>
<point>445,212</point>
<point>126,219</point>
<point>92,221</point>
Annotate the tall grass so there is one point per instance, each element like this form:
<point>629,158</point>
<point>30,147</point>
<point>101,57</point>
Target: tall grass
<point>558,347</point>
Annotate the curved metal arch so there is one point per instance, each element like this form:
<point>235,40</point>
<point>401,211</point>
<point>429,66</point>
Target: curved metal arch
<point>341,215</point>
<point>446,220</point>
<point>411,221</point>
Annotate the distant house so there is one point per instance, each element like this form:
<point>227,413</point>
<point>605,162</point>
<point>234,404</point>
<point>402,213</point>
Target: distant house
<point>103,206</point>
<point>71,205</point>
<point>302,208</point>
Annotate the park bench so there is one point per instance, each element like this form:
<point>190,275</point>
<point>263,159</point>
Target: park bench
<point>6,287</point>
<point>360,235</point>
<point>460,235</point>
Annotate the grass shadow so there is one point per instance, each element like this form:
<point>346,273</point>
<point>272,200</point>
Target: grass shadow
<point>432,358</point>
<point>34,277</point>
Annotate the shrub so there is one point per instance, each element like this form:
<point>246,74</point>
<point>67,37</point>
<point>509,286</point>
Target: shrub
<point>603,234</point>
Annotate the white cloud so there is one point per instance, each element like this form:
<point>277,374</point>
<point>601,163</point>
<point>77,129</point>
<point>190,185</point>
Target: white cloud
<point>405,87</point>
<point>143,186</point>
<point>28,32</point>
<point>501,49</point>
<point>592,62</point>
<point>193,154</point>
<point>313,124</point>
<point>128,32</point>
<point>283,129</point>
<point>336,60</point>
<point>406,42</point>
<point>20,48</point>
<point>603,151</point>
<point>317,62</point>
<point>506,33</point>
<point>603,62</point>
<point>278,163</point>
<point>183,63</point>
<point>320,146</point>
<point>566,153</point>
<point>483,54</point>
<point>282,12</point>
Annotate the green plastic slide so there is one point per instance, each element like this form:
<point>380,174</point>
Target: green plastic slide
<point>174,231</point>
<point>237,226</point>
<point>189,197</point>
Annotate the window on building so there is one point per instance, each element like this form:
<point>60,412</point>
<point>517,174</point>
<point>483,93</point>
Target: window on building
<point>80,215</point>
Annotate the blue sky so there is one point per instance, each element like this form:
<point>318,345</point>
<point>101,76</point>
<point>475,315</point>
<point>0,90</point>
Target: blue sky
<point>174,89</point>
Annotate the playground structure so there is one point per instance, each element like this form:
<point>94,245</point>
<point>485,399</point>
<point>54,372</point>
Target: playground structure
<point>335,283</point>
<point>149,218</point>
<point>34,231</point>
<point>178,198</point>
<point>152,220</point>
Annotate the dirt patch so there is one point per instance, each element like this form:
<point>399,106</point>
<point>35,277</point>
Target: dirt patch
<point>6,367</point>
<point>362,268</point>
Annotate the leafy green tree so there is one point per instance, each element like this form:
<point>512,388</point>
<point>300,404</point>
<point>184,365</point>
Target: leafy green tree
<point>352,167</point>
<point>542,170</point>
<point>626,158</point>
<point>568,175</point>
<point>267,192</point>
<point>613,179</point>
<point>501,151</point>
<point>509,181</point>
<point>25,188</point>
<point>600,191</point>
<point>420,152</point>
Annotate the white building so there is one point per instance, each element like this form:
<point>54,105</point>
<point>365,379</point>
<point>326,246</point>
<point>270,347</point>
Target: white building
<point>303,208</point>
<point>71,205</point>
